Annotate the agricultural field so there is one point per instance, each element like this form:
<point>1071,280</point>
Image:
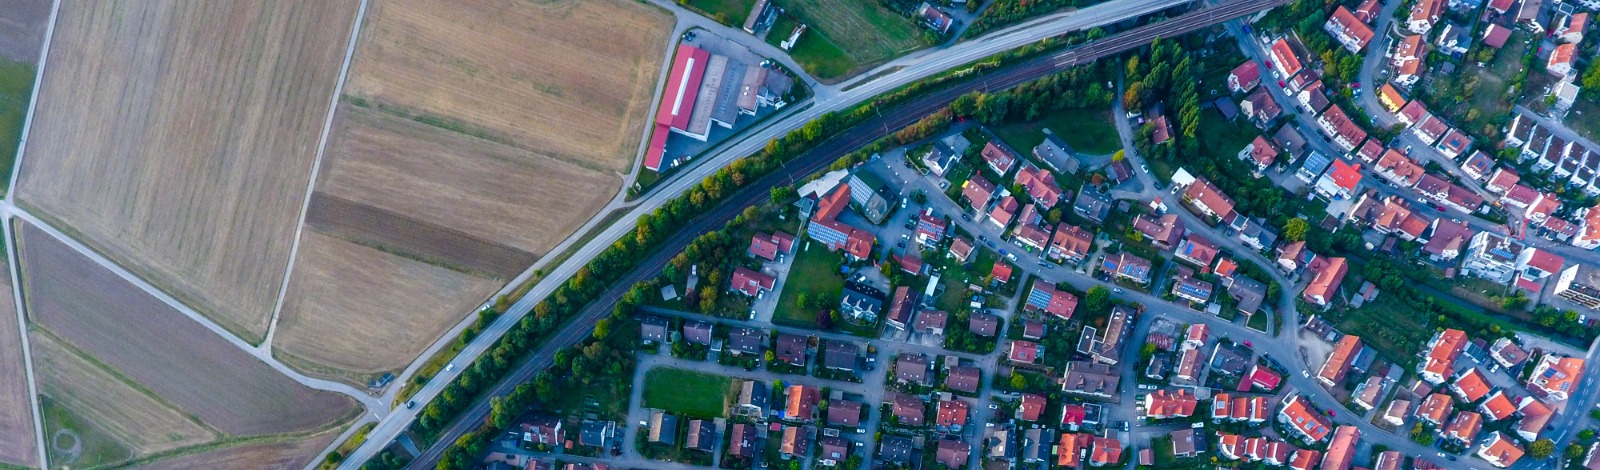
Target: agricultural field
<point>130,333</point>
<point>110,419</point>
<point>290,453</point>
<point>551,77</point>
<point>858,35</point>
<point>328,332</point>
<point>17,445</point>
<point>472,138</point>
<point>22,25</point>
<point>228,98</point>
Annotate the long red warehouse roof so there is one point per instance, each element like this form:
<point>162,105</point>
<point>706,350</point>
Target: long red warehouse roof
<point>677,100</point>
<point>683,85</point>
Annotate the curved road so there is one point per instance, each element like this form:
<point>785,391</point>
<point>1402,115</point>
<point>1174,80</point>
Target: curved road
<point>823,155</point>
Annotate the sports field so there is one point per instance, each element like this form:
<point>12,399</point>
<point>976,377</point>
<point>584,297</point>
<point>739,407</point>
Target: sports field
<point>692,393</point>
<point>17,444</point>
<point>195,124</point>
<point>157,349</point>
<point>402,306</point>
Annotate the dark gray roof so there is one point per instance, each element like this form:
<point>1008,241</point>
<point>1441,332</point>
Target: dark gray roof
<point>745,340</point>
<point>840,355</point>
<point>652,328</point>
<point>697,332</point>
<point>895,449</point>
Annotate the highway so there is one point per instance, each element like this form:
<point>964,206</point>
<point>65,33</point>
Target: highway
<point>823,155</point>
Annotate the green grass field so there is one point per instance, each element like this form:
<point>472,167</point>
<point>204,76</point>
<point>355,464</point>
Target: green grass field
<point>845,36</point>
<point>95,449</point>
<point>1388,327</point>
<point>1258,322</point>
<point>1089,131</point>
<point>814,273</point>
<point>1221,139</point>
<point>16,86</point>
<point>694,394</point>
<point>728,12</point>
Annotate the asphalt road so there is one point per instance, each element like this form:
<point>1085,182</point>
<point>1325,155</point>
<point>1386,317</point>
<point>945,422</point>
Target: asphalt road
<point>815,160</point>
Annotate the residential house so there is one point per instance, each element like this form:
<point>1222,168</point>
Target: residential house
<point>1312,167</point>
<point>1248,294</point>
<point>1340,181</point>
<point>653,329</point>
<point>861,302</point>
<point>963,378</point>
<point>1208,200</point>
<point>742,341</point>
<point>1507,353</point>
<point>1470,385</point>
<point>907,409</point>
<point>1439,356</point>
<point>1313,98</point>
<point>1040,185</point>
<point>998,158</point>
<point>1004,211</point>
<point>663,428</point>
<point>1412,113</point>
<point>1561,60</point>
<point>1163,232</point>
<point>1502,180</point>
<point>1260,107</point>
<point>1454,143</point>
<point>1535,415</point>
<point>1555,376</point>
<point>1499,451</point>
<point>825,227</point>
<point>1285,63</point>
<point>844,413</point>
<point>930,322</point>
<point>1337,365</point>
<point>1044,297</point>
<point>983,324</point>
<point>1024,352</point>
<point>751,283</point>
<point>1070,245</point>
<point>1463,427</point>
<point>1197,250</point>
<point>1162,404</point>
<point>1424,14</point>
<point>1245,77</point>
<point>1448,238</point>
<point>901,306</point>
<point>1344,133</point>
<point>1400,170</point>
<point>1326,274</point>
<point>1259,152</point>
<point>1056,152</point>
<point>951,414</point>
<point>1192,289</point>
<point>1497,406</point>
<point>1351,32</point>
<point>1430,129</point>
<point>1434,409</point>
<point>1093,205</point>
<point>1570,28</point>
<point>1342,450</point>
<point>1367,393</point>
<point>1303,421</point>
<point>791,349</point>
<point>1395,415</point>
<point>912,368</point>
<point>1127,266</point>
<point>1090,379</point>
<point>796,441</point>
<point>977,191</point>
<point>771,246</point>
<point>1454,39</point>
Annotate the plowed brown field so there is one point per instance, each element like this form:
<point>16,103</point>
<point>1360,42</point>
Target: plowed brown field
<point>159,349</point>
<point>177,138</point>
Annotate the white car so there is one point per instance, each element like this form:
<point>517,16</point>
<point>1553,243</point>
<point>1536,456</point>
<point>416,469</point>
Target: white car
<point>449,367</point>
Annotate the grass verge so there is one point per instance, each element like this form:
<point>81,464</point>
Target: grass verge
<point>692,393</point>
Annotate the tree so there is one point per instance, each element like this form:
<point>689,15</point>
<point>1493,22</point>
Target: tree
<point>1295,229</point>
<point>1591,80</point>
<point>1541,448</point>
<point>1097,298</point>
<point>1574,451</point>
<point>1586,434</point>
<point>1018,381</point>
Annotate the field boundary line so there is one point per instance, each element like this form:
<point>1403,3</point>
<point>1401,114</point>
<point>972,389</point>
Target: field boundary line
<point>13,212</point>
<point>11,243</point>
<point>311,183</point>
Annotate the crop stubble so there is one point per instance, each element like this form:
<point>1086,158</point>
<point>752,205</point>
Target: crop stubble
<point>475,136</point>
<point>17,445</point>
<point>295,453</point>
<point>177,138</point>
<point>362,310</point>
<point>569,79</point>
<point>126,414</point>
<point>160,349</point>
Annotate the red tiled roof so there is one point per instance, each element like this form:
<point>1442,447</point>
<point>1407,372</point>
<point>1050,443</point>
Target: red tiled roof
<point>751,282</point>
<point>1345,175</point>
<point>1284,55</point>
<point>1304,419</point>
<point>1338,362</point>
<point>1435,408</point>
<point>1546,261</point>
<point>1209,195</point>
<point>1343,448</point>
<point>1327,273</point>
<point>1246,75</point>
<point>1471,386</point>
<point>1447,345</point>
<point>1348,25</point>
<point>1495,35</point>
<point>1498,406</point>
<point>1031,408</point>
<point>1464,426</point>
<point>1001,159</point>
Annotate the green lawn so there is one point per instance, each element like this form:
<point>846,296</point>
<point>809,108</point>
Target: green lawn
<point>1222,139</point>
<point>1388,326</point>
<point>728,12</point>
<point>1584,118</point>
<point>1258,321</point>
<point>692,393</point>
<point>846,36</point>
<point>815,273</point>
<point>96,449</point>
<point>16,85</point>
<point>1087,130</point>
